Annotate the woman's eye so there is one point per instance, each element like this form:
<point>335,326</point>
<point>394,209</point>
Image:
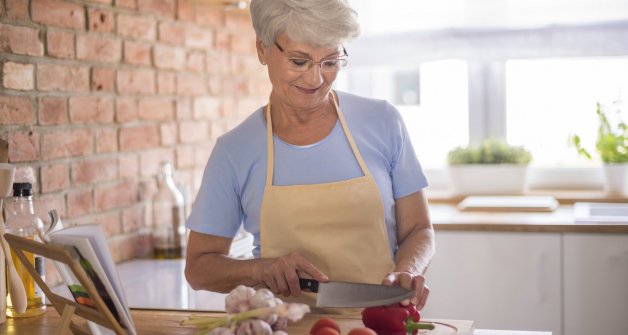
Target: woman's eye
<point>330,63</point>
<point>299,62</point>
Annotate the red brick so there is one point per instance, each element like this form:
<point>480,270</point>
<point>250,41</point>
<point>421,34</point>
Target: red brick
<point>137,53</point>
<point>133,218</point>
<point>184,109</point>
<point>106,140</point>
<point>185,157</point>
<point>131,4</point>
<point>23,146</point>
<point>234,20</point>
<point>17,9</point>
<point>166,83</point>
<point>58,13</point>
<point>168,134</point>
<point>60,43</point>
<point>126,110</point>
<point>18,76</point>
<point>16,110</point>
<point>142,137</point>
<point>243,43</point>
<point>214,84</point>
<point>237,86</point>
<point>138,81</point>
<point>20,40</point>
<point>53,111</point>
<point>128,166</point>
<point>199,38</point>
<point>171,32</point>
<point>45,203</point>
<point>93,171</point>
<point>201,155</point>
<point>53,77</point>
<point>196,61</point>
<point>159,7</point>
<point>26,174</point>
<point>54,177</point>
<point>218,62</point>
<point>191,84</point>
<point>103,79</point>
<point>100,20</point>
<point>91,109</point>
<point>135,26</point>
<point>79,202</point>
<point>185,10</point>
<point>166,57</point>
<point>221,40</point>
<point>107,2</point>
<point>193,131</point>
<point>98,48</point>
<point>118,195</point>
<point>212,16</point>
<point>66,143</point>
<point>156,109</point>
<point>148,190</point>
<point>207,108</point>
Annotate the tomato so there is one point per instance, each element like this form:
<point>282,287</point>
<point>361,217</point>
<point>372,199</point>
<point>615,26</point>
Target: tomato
<point>322,323</point>
<point>362,331</point>
<point>326,331</point>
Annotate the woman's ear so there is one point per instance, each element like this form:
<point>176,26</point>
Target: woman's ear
<point>261,51</point>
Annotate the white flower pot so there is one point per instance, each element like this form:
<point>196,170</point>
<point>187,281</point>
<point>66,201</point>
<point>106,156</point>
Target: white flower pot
<point>497,179</point>
<point>616,178</point>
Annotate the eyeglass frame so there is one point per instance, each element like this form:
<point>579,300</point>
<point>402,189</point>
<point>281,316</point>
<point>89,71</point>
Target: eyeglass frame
<point>311,62</point>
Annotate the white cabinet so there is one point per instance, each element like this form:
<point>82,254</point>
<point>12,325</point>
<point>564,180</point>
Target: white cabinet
<point>596,284</point>
<point>502,280</point>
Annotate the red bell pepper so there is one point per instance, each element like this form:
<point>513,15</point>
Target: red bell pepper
<point>394,320</point>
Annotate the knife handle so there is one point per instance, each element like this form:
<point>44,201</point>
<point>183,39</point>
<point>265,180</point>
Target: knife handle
<point>310,285</point>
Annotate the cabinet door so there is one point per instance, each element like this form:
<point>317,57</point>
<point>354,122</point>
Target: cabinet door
<point>502,280</point>
<point>596,284</point>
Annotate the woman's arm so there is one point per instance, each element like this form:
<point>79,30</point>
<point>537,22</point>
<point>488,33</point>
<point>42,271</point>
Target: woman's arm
<point>209,267</point>
<point>415,239</point>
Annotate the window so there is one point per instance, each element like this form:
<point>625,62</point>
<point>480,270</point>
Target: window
<point>550,99</point>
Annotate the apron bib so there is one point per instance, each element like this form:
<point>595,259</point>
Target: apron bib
<point>338,226</point>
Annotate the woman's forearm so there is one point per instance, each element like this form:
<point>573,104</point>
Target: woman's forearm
<point>416,250</point>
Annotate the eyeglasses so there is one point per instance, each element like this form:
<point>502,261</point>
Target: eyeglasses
<point>304,64</point>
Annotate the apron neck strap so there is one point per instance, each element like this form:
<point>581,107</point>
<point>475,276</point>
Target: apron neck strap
<point>270,159</point>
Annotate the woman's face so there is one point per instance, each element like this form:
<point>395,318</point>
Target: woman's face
<point>298,90</point>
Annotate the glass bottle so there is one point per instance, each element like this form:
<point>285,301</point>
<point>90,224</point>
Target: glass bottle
<point>168,217</point>
<point>22,221</point>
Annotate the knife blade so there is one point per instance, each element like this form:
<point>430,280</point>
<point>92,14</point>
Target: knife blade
<point>345,294</point>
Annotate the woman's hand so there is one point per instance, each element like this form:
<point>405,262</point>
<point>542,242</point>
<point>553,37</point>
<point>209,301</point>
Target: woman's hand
<point>412,282</point>
<point>281,274</point>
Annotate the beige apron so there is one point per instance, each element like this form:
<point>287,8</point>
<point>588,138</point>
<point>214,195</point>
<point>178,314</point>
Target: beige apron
<point>338,226</point>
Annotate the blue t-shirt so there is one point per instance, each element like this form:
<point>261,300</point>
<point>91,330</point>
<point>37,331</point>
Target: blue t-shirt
<point>233,182</point>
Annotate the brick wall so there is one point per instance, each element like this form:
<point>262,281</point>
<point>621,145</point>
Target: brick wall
<point>96,93</point>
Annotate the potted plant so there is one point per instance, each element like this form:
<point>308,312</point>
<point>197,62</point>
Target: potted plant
<point>493,167</point>
<point>612,147</point>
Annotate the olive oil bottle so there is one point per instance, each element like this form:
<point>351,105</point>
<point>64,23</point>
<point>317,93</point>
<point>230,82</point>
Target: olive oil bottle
<point>22,221</point>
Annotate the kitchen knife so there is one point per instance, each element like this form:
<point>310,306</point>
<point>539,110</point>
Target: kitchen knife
<point>344,294</point>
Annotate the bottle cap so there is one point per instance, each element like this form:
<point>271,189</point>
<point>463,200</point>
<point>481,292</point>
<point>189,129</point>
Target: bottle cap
<point>22,189</point>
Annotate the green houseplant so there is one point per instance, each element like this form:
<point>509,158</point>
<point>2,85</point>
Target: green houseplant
<point>612,148</point>
<point>492,167</point>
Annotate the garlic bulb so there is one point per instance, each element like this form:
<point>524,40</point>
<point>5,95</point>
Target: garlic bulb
<point>239,299</point>
<point>254,327</point>
<point>221,331</point>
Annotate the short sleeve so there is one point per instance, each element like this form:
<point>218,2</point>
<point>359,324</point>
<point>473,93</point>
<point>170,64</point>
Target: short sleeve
<point>406,171</point>
<point>217,208</point>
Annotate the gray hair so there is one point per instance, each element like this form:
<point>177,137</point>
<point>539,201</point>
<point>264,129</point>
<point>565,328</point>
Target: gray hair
<point>320,23</point>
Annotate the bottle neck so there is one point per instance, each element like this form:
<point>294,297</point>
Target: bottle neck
<point>23,204</point>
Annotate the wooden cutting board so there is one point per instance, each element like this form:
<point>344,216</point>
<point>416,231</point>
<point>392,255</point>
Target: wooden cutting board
<point>160,322</point>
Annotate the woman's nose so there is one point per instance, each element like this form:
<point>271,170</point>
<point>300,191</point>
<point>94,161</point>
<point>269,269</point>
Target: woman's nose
<point>314,75</point>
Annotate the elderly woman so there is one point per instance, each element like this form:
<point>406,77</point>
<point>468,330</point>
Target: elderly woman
<point>327,182</point>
